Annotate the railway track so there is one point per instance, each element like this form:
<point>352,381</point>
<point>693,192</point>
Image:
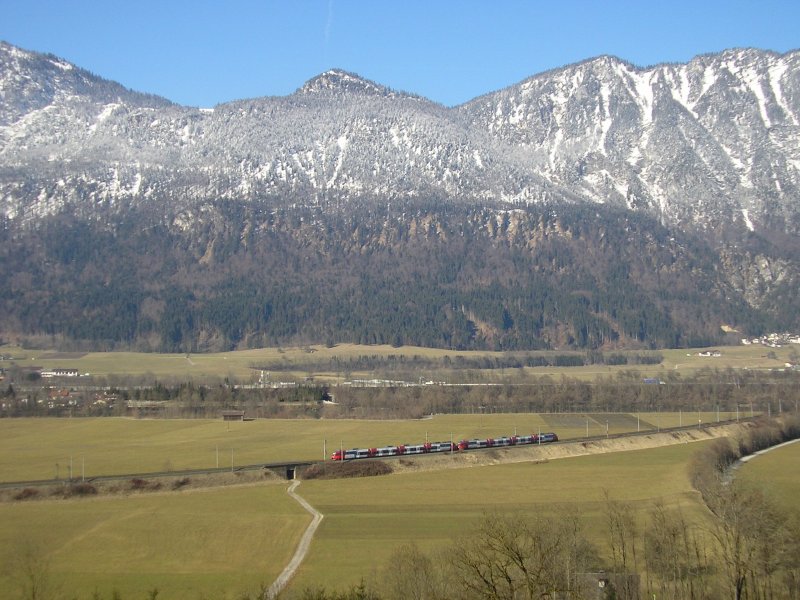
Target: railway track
<point>153,475</point>
<point>287,466</point>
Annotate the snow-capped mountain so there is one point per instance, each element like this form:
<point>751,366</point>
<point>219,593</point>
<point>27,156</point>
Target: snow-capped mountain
<point>715,140</point>
<point>717,137</point>
<point>711,147</point>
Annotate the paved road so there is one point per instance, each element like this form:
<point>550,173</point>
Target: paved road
<point>731,471</point>
<point>302,547</point>
<point>750,457</point>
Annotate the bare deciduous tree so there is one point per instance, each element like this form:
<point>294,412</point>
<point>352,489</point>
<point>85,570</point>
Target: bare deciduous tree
<point>623,534</point>
<point>31,571</point>
<point>412,575</point>
<point>752,539</point>
<point>676,557</point>
<point>512,557</point>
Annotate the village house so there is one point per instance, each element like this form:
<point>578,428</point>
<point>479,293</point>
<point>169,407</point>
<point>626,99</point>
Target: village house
<point>59,373</point>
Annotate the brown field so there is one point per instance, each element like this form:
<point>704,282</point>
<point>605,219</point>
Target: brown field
<point>54,448</point>
<point>299,363</point>
<point>219,543</point>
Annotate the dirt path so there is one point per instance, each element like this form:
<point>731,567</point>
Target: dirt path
<point>302,548</point>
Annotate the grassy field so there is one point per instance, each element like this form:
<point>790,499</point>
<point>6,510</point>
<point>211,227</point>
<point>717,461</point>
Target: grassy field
<point>297,363</point>
<point>218,543</point>
<point>199,544</point>
<point>365,519</point>
<point>45,448</point>
<point>777,473</point>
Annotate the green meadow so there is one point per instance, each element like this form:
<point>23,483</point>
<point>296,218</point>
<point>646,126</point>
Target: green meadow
<point>50,448</point>
<point>218,543</point>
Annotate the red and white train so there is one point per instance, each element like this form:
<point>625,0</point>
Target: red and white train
<point>431,447</point>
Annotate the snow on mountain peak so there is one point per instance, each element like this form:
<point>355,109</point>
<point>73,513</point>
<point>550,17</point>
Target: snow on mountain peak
<point>338,80</point>
<point>690,142</point>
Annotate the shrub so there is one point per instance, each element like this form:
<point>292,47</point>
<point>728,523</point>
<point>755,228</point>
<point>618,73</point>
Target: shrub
<point>26,494</point>
<point>179,483</point>
<point>790,428</point>
<point>338,470</point>
<point>140,485</point>
<point>769,433</point>
<point>81,489</point>
<point>707,467</point>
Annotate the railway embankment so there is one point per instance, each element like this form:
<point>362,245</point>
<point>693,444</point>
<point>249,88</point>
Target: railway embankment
<point>254,474</point>
<point>569,448</point>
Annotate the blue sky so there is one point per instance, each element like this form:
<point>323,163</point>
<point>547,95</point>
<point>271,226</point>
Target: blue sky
<point>204,52</point>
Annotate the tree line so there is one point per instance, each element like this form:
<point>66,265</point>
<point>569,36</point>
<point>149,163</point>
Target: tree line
<point>707,390</point>
<point>510,360</point>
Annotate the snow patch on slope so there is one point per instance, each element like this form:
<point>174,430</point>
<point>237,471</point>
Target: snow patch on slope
<point>776,73</point>
<point>751,78</point>
<point>746,216</point>
<point>107,111</point>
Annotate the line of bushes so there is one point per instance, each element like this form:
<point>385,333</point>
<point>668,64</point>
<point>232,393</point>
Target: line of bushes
<point>711,466</point>
<point>340,470</point>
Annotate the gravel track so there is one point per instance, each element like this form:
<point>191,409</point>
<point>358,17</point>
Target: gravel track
<point>302,548</point>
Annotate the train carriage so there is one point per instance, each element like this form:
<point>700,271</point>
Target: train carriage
<point>429,447</point>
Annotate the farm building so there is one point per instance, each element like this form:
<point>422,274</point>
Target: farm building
<point>233,415</point>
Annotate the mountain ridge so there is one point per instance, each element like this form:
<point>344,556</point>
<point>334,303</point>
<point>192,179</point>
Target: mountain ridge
<point>709,150</point>
<point>517,157</point>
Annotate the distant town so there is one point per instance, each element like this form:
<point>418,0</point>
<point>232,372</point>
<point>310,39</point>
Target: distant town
<point>773,340</point>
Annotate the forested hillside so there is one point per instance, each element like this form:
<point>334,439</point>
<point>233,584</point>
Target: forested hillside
<point>229,275</point>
